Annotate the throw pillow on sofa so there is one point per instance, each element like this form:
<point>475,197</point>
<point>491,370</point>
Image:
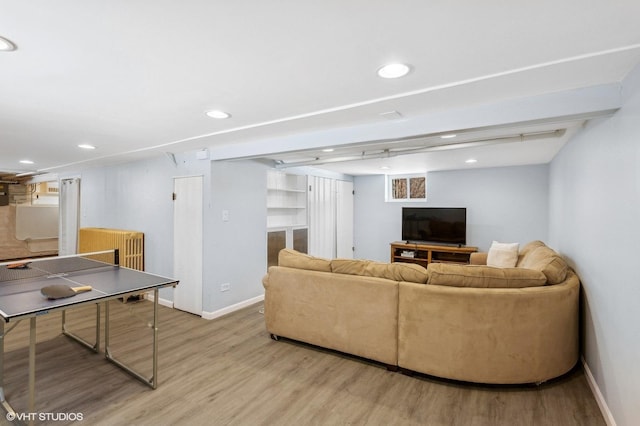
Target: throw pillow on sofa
<point>503,255</point>
<point>481,276</point>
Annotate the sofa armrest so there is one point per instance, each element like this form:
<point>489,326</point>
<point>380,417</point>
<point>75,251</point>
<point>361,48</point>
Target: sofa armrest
<point>478,258</point>
<point>489,335</point>
<point>348,313</point>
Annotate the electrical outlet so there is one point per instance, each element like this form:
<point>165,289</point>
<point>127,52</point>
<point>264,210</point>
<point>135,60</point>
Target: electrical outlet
<point>225,287</point>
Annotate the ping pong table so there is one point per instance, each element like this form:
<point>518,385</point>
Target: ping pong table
<point>21,298</point>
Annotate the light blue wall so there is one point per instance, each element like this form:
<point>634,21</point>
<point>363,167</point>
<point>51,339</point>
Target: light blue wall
<point>237,247</point>
<point>507,204</point>
<point>137,196</point>
<point>595,223</point>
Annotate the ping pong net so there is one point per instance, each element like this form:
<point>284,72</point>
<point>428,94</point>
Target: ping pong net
<point>61,266</point>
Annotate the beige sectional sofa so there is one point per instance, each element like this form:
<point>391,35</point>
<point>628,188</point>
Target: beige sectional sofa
<point>464,322</point>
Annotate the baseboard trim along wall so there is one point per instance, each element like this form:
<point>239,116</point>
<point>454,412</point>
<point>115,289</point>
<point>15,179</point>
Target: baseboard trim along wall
<point>604,408</point>
<point>216,314</point>
<point>164,302</point>
<point>232,308</point>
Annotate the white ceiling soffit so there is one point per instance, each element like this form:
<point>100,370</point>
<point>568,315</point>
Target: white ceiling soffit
<point>529,119</point>
<point>531,142</point>
<point>135,78</point>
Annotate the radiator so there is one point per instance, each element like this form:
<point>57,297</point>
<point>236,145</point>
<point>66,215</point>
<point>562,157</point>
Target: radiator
<point>129,243</point>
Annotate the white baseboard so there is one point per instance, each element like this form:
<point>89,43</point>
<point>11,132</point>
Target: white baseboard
<point>604,408</point>
<point>164,302</point>
<point>232,308</point>
<point>215,314</point>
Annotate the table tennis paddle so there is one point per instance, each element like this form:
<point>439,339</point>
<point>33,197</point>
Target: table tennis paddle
<point>60,291</point>
<point>18,265</point>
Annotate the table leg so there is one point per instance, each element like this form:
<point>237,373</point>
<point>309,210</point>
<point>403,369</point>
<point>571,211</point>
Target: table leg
<point>154,380</point>
<point>150,381</point>
<point>2,397</point>
<point>32,365</point>
<point>106,329</point>
<point>93,346</point>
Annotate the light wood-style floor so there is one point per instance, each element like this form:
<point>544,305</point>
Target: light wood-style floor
<point>229,372</point>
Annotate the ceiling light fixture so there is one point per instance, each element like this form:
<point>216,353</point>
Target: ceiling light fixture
<point>471,161</point>
<point>394,70</point>
<point>449,136</point>
<point>26,161</point>
<point>327,150</point>
<point>216,113</point>
<point>86,146</point>
<point>6,45</point>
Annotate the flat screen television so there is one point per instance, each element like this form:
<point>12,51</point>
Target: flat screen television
<point>442,225</point>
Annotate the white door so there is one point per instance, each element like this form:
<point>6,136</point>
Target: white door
<point>322,217</point>
<point>344,219</point>
<point>187,243</point>
<point>69,216</point>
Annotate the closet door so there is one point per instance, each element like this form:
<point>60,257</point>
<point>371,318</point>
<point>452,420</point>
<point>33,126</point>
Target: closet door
<point>322,217</point>
<point>344,219</point>
<point>187,243</point>
<point>69,216</point>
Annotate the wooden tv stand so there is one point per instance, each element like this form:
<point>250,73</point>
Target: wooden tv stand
<point>423,254</point>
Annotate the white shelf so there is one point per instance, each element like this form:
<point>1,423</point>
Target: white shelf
<point>286,199</point>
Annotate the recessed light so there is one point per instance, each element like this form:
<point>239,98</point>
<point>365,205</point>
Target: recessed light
<point>449,136</point>
<point>86,146</point>
<point>6,45</point>
<point>327,150</point>
<point>385,168</point>
<point>216,113</point>
<point>26,161</point>
<point>394,70</point>
<point>471,161</point>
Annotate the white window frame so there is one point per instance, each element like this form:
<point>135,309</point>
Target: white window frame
<point>389,188</point>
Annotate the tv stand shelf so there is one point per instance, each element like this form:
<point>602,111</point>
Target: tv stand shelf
<point>424,254</point>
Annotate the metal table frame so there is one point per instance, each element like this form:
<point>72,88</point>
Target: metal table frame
<point>4,330</point>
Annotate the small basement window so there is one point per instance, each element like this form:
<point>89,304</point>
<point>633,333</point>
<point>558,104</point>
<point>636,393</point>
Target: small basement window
<point>406,188</point>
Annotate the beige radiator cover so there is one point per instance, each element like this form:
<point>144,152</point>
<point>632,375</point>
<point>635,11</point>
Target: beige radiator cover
<point>129,243</point>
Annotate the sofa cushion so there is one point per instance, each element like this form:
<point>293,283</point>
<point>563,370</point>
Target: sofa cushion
<point>550,263</point>
<point>503,255</point>
<point>401,271</point>
<point>528,248</point>
<point>349,266</point>
<point>481,276</point>
<point>294,259</point>
<point>397,271</point>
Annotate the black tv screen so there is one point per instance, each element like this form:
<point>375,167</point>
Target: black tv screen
<point>435,224</point>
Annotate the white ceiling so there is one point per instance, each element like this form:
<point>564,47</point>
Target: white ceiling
<point>134,78</point>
